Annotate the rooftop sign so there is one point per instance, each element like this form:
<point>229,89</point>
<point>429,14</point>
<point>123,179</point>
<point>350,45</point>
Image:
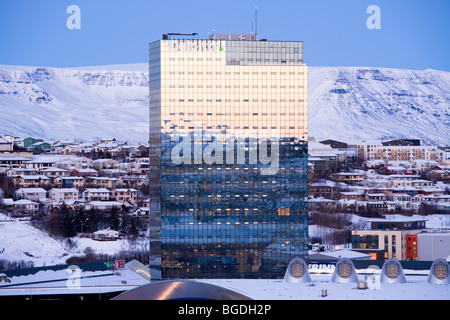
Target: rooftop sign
<point>192,45</point>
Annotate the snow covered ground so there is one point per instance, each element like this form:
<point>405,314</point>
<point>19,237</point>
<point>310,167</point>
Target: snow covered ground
<point>21,241</point>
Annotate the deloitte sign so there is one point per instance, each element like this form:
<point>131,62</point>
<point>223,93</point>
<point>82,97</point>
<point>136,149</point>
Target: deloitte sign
<point>180,45</point>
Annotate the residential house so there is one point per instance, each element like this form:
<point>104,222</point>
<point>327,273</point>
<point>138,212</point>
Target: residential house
<point>125,195</point>
<point>392,170</point>
<point>28,142</point>
<point>111,173</point>
<point>106,235</point>
<point>401,197</point>
<point>317,168</point>
<point>323,190</point>
<point>26,206</point>
<point>63,194</point>
<point>14,172</point>
<point>69,182</point>
<point>41,163</point>
<point>104,164</point>
<point>57,147</point>
<point>130,167</point>
<point>350,195</point>
<point>84,172</point>
<point>322,204</point>
<point>54,172</point>
<point>378,206</point>
<point>6,145</point>
<point>40,147</point>
<point>348,177</point>
<point>74,163</point>
<point>31,181</point>
<point>96,194</point>
<point>105,205</point>
<point>34,194</point>
<point>74,149</point>
<point>70,204</point>
<point>135,182</point>
<point>101,182</point>
<point>104,147</point>
<point>11,162</point>
<point>375,197</point>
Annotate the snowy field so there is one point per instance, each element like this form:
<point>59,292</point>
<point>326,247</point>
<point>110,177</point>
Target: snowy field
<point>20,241</point>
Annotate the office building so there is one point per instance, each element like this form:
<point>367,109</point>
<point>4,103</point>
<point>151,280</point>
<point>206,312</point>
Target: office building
<point>228,156</point>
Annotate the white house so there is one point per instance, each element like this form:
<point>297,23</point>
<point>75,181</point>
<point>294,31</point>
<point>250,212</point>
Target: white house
<point>54,172</point>
<point>104,164</point>
<point>25,205</point>
<point>63,194</point>
<point>5,145</point>
<point>105,205</point>
<point>106,235</point>
<point>401,197</point>
<point>74,163</point>
<point>96,194</point>
<point>34,194</point>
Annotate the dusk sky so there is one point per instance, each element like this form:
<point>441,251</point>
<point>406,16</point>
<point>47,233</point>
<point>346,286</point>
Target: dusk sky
<point>414,34</point>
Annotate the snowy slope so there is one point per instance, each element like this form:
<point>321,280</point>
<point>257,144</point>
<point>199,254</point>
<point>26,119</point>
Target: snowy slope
<point>20,241</point>
<point>354,104</point>
<point>65,104</point>
<point>345,103</point>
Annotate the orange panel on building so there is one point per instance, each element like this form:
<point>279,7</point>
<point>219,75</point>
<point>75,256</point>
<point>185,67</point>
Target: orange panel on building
<point>411,246</point>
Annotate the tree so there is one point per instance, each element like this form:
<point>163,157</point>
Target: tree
<point>115,218</point>
<point>92,220</point>
<point>133,230</point>
<point>67,222</point>
<point>80,221</point>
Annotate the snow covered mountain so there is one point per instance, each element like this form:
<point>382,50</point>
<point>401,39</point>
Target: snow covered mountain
<point>78,103</point>
<point>353,104</point>
<point>350,104</point>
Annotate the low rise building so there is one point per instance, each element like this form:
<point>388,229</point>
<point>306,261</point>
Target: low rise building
<point>63,194</point>
<point>125,195</point>
<point>402,239</point>
<point>69,182</point>
<point>31,181</point>
<point>34,194</point>
<point>25,206</point>
<point>96,194</point>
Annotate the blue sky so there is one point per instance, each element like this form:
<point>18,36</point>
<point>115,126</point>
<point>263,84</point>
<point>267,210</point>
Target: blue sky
<point>414,34</point>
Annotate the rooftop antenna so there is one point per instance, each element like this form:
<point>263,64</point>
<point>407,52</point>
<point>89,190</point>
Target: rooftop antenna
<point>256,22</point>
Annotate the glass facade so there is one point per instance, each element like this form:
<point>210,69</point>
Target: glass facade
<point>228,158</point>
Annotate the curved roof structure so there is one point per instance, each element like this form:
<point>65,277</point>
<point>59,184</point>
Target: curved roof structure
<point>297,271</point>
<point>181,290</point>
<point>392,272</point>
<point>439,272</point>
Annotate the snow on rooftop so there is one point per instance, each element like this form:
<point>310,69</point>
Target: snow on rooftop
<point>21,241</point>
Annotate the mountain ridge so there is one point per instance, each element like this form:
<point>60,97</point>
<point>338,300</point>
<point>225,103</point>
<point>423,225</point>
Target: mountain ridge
<point>350,104</point>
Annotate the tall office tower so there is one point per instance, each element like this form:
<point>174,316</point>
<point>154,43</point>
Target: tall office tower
<point>228,156</point>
